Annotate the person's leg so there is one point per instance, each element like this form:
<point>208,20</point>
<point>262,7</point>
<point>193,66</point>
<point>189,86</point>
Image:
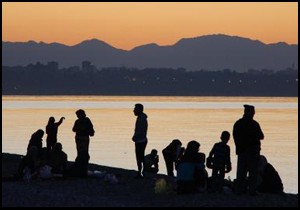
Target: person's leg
<point>221,179</point>
<point>253,173</point>
<point>48,142</point>
<point>144,144</point>
<point>169,164</point>
<point>214,178</point>
<point>140,153</point>
<point>241,173</point>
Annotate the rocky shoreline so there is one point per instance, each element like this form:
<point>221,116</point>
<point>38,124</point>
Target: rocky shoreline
<point>127,192</point>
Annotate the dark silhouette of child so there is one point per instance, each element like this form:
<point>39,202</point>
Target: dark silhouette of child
<point>151,162</point>
<point>219,161</point>
<point>51,131</point>
<point>172,154</point>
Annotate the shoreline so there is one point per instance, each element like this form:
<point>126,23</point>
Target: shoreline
<point>128,192</point>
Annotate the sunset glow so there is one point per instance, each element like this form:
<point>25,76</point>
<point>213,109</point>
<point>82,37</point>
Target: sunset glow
<point>126,25</point>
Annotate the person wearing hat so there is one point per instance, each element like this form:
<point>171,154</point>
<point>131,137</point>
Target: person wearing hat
<point>247,135</point>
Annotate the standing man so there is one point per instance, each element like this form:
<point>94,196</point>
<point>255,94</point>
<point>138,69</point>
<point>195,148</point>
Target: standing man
<point>140,137</point>
<point>83,128</point>
<point>247,135</point>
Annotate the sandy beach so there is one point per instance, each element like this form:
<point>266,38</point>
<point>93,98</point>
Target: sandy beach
<point>127,192</point>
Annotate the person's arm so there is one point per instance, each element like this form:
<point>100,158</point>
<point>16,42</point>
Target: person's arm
<point>212,152</point>
<point>60,121</point>
<point>260,134</point>
<point>75,126</point>
<point>91,128</point>
<point>140,129</point>
<point>228,162</point>
<point>156,162</point>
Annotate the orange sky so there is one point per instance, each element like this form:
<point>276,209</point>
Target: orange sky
<point>126,25</point>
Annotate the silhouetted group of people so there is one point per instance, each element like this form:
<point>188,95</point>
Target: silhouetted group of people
<point>51,161</point>
<point>189,162</point>
<point>252,173</point>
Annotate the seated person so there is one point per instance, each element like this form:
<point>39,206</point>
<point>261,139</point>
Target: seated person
<point>151,162</point>
<point>58,159</point>
<point>191,173</point>
<point>28,164</point>
<point>269,180</point>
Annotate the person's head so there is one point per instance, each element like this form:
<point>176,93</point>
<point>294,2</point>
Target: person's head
<point>249,110</point>
<point>225,136</point>
<point>51,120</point>
<point>57,147</point>
<point>154,152</point>
<point>192,147</point>
<point>138,109</point>
<point>80,113</point>
<point>176,143</point>
<point>39,133</point>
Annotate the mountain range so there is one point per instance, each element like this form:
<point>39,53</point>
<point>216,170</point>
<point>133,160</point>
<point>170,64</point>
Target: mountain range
<point>209,52</point>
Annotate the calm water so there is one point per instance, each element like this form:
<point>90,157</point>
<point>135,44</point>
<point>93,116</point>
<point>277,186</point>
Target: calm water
<point>185,118</point>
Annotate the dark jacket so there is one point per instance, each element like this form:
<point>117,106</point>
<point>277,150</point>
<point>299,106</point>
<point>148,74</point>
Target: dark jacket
<point>141,127</point>
<point>221,154</point>
<point>247,135</point>
<point>83,127</point>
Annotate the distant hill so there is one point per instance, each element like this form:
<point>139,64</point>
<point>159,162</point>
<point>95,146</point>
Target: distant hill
<point>210,52</point>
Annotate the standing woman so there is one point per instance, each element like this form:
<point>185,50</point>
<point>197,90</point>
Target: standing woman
<point>83,128</point>
<point>51,131</point>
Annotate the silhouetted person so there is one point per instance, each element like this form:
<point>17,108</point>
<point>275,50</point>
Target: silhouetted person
<point>51,131</point>
<point>36,140</point>
<point>247,135</point>
<point>58,159</point>
<point>171,155</point>
<point>191,173</point>
<point>221,164</point>
<point>269,180</point>
<point>140,137</point>
<point>151,162</point>
<point>43,170</point>
<point>83,128</point>
<point>28,164</point>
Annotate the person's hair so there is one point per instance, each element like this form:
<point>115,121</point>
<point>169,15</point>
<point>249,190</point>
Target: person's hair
<point>139,107</point>
<point>80,113</point>
<point>51,120</point>
<point>39,133</point>
<point>225,135</point>
<point>175,143</point>
<point>192,147</point>
<point>57,147</point>
<point>154,152</point>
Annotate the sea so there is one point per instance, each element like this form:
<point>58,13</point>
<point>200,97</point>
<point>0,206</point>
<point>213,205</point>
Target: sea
<point>185,118</point>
